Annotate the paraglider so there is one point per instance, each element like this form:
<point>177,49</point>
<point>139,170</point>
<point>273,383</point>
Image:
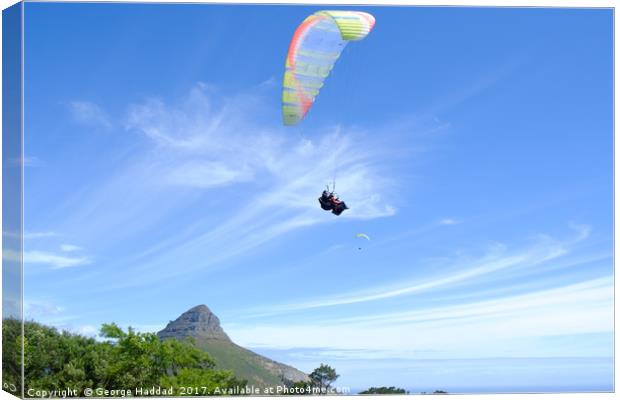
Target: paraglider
<point>362,235</point>
<point>329,201</point>
<point>316,45</point>
<point>314,49</point>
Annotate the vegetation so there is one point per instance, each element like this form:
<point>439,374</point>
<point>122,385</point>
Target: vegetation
<point>126,359</point>
<point>206,381</point>
<point>320,382</point>
<point>323,377</point>
<point>384,390</point>
<point>246,364</point>
<point>11,355</point>
<point>130,360</point>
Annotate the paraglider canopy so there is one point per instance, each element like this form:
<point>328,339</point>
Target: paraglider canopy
<point>316,45</point>
<point>362,235</point>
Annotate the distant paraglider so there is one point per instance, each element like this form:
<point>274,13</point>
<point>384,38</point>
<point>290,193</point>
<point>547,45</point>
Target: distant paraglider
<point>362,236</point>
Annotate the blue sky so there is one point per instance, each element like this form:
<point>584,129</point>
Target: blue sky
<point>473,145</point>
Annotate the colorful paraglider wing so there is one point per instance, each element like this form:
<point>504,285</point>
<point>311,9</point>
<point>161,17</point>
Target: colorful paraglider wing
<point>314,49</point>
<point>362,235</point>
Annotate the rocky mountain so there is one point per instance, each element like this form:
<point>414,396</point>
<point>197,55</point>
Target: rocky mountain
<point>198,322</point>
<point>204,327</point>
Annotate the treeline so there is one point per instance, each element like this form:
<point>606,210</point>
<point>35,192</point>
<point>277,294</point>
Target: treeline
<point>57,361</point>
<point>394,390</point>
<point>384,390</point>
<point>124,359</point>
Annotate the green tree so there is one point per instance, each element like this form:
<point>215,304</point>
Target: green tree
<point>12,354</point>
<point>54,360</point>
<point>298,387</point>
<point>141,359</point>
<point>323,377</point>
<point>57,361</point>
<point>384,390</point>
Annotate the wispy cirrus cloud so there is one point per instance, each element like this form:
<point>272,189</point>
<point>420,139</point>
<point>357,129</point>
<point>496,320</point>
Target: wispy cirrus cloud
<point>449,221</point>
<point>457,312</point>
<point>26,161</point>
<point>49,312</point>
<point>55,261</point>
<point>485,328</point>
<point>89,113</point>
<point>206,142</point>
<point>211,145</point>
<point>208,174</point>
<point>69,248</point>
<point>34,309</point>
<point>37,235</point>
<point>29,235</point>
<point>461,271</point>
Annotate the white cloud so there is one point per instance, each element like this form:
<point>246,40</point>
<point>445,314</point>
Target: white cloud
<point>53,259</point>
<point>204,143</point>
<point>56,261</point>
<point>209,146</point>
<point>496,324</point>
<point>493,328</point>
<point>200,145</point>
<point>85,330</point>
<point>88,113</point>
<point>31,161</point>
<point>30,235</point>
<point>268,83</point>
<point>144,328</point>
<point>460,272</point>
<point>69,324</point>
<point>11,255</point>
<point>39,309</point>
<point>13,235</point>
<point>69,248</point>
<point>207,174</point>
<point>37,235</point>
<point>27,161</point>
<point>449,221</point>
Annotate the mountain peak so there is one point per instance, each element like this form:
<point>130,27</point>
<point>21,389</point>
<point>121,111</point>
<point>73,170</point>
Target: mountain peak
<point>201,308</point>
<point>198,322</point>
